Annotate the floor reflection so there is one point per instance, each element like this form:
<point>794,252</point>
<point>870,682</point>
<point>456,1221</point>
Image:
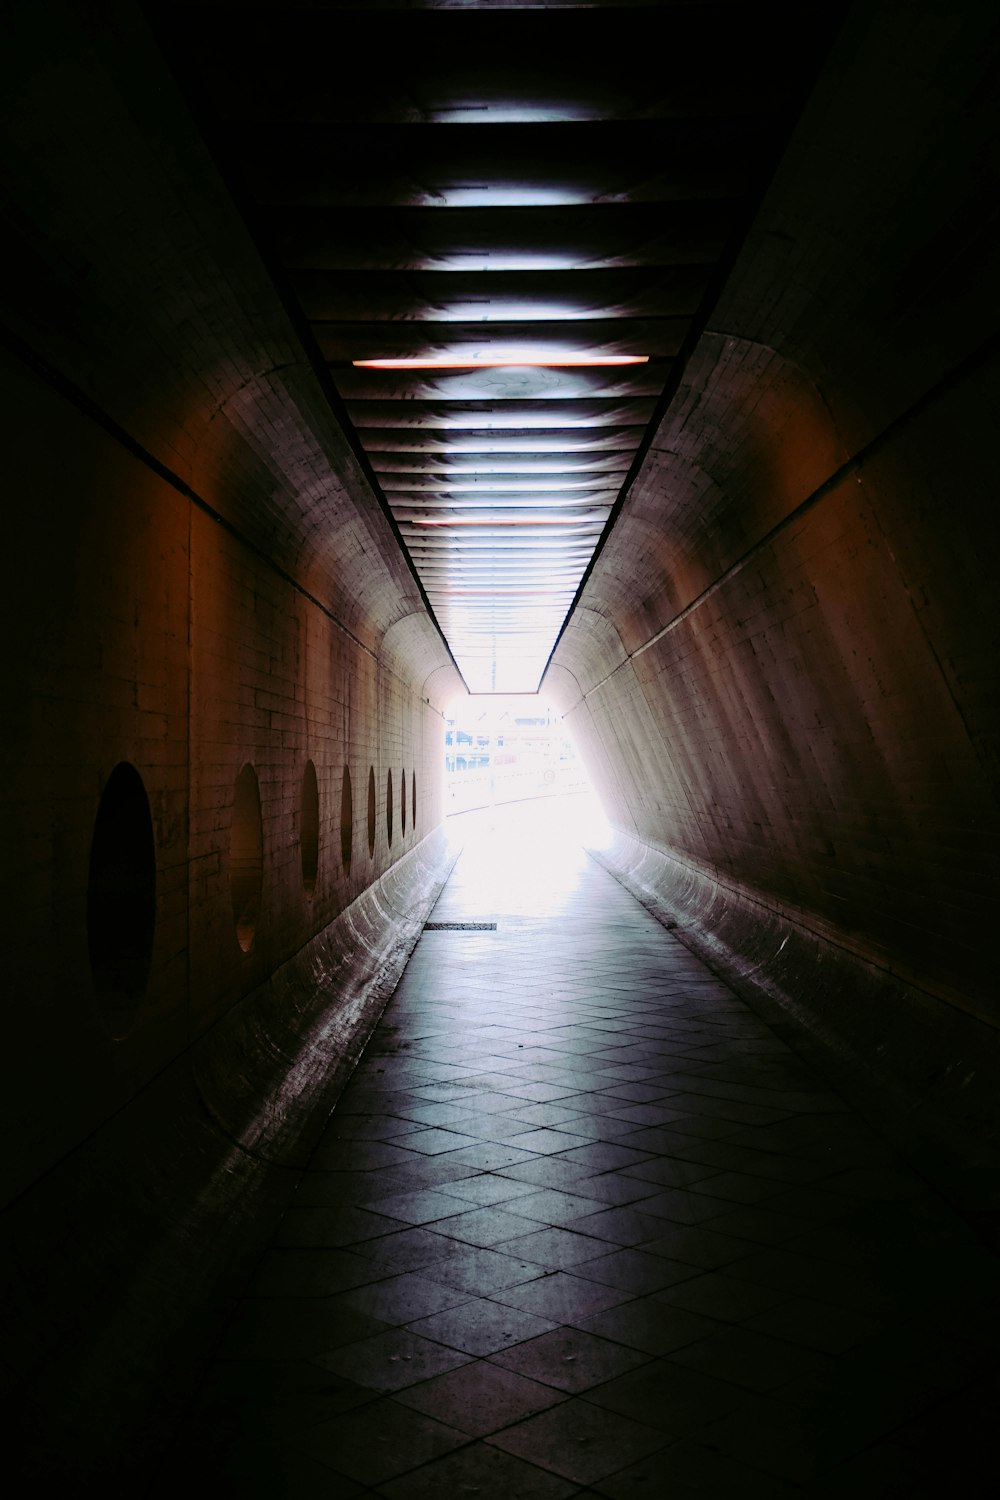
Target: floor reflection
<point>521,860</point>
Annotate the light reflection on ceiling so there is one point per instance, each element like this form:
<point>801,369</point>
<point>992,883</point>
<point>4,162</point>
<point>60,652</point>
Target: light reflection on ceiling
<point>502,226</point>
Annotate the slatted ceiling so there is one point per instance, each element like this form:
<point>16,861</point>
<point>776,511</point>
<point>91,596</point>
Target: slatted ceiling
<point>498,543</point>
<point>489,500</point>
<point>499,296</point>
<point>476,339</point>
<point>504,239</point>
<point>462,183</point>
<point>394,62</point>
<point>383,441</point>
<point>488,166</point>
<point>432,417</point>
<point>501,542</point>
<point>513,383</point>
<point>393,468</point>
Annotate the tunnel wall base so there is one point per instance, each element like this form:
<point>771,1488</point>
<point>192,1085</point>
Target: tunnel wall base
<point>925,1073</point>
<point>125,1261</point>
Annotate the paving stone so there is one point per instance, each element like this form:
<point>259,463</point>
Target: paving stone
<point>479,1470</point>
<point>544,1115</point>
<point>634,1271</point>
<point>562,1297</point>
<point>499,1130</point>
<point>480,1398</point>
<point>401,1299</point>
<point>480,1326</point>
<point>670,1171</point>
<point>638,1247</point>
<point>390,1360</point>
<point>378,1441</point>
<point>341,1156</point>
<point>484,1227</point>
<point>807,1276</point>
<point>555,1248</point>
<point>746,1358</point>
<point>570,1359</point>
<point>649,1325</point>
<point>621,1225</point>
<point>372,1126</point>
<point>814,1325</point>
<point>486,1156</point>
<point>768,1228</point>
<point>720,1296</point>
<point>550,1206</point>
<point>597,1127</point>
<point>477,1269</point>
<point>406,1250</point>
<point>547,1171</point>
<point>605,1156</point>
<point>421,1206</point>
<point>434,1139</point>
<point>486,1189</point>
<point>417,1174</point>
<point>737,1187</point>
<point>321,1226</point>
<point>661,1391</point>
<point>699,1246</point>
<point>690,1471</point>
<point>616,1188</point>
<point>578,1442</point>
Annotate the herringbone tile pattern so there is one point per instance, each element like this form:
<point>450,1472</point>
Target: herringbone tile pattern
<point>582,1225</point>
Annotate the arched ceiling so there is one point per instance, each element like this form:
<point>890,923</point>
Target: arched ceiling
<point>528,211</point>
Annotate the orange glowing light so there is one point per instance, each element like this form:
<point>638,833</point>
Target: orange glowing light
<point>499,361</point>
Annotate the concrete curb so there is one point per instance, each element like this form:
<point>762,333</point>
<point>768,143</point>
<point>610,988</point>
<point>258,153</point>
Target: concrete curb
<point>923,1072</point>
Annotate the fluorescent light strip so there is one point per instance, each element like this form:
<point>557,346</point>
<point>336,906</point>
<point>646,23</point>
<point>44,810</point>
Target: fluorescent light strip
<point>457,521</point>
<point>499,361</point>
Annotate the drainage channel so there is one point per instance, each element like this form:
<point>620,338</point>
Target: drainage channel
<point>460,927</point>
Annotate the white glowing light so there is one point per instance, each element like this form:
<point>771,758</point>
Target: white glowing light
<point>456,521</point>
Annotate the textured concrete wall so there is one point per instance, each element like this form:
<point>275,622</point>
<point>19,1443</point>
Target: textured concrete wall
<point>196,578</point>
<point>783,671</point>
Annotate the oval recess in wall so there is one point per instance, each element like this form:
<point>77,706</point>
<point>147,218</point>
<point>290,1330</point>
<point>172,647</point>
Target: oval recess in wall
<point>346,821</point>
<point>388,808</point>
<point>309,828</point>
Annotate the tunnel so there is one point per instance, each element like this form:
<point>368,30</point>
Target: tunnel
<point>358,356</point>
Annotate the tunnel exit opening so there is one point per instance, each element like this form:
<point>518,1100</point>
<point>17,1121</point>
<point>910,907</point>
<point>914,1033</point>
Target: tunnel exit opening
<point>508,748</point>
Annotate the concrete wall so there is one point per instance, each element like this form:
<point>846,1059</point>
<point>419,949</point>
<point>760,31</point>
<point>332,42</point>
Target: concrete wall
<point>147,632</point>
<point>196,578</point>
<point>783,670</point>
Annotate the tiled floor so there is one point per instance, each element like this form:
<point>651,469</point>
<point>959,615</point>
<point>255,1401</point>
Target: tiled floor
<point>581,1225</point>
